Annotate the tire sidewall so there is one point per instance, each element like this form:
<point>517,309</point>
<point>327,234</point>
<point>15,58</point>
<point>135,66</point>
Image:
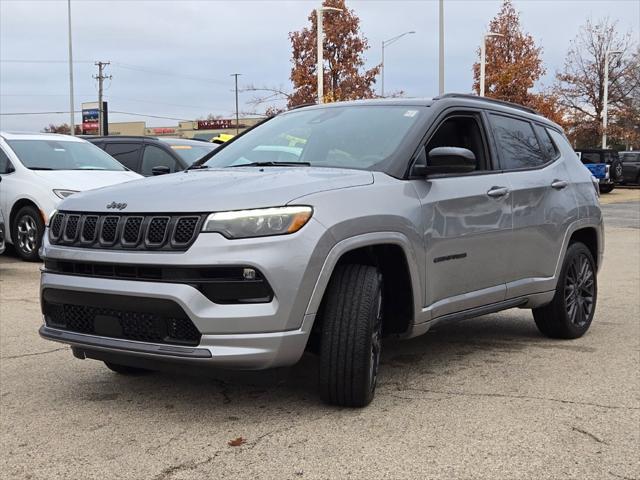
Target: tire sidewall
<point>33,213</point>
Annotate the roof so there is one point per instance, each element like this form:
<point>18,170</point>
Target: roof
<point>39,136</point>
<point>457,99</point>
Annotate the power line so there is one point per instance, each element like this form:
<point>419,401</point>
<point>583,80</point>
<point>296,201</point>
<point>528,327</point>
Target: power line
<point>112,111</point>
<point>138,68</point>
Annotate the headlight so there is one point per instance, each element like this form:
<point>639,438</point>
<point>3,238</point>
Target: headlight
<point>261,222</point>
<point>64,193</point>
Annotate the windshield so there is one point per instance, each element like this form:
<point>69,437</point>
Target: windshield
<point>62,155</point>
<point>360,137</point>
<point>190,151</point>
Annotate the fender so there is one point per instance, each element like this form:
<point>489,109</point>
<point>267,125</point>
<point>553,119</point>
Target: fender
<point>364,240</point>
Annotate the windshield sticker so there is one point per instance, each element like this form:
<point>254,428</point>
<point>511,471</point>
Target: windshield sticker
<point>410,113</point>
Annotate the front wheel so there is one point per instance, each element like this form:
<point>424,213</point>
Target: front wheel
<point>570,313</point>
<point>26,233</point>
<point>351,338</point>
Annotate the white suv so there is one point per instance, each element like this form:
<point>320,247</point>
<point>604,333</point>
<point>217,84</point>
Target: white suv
<point>37,172</point>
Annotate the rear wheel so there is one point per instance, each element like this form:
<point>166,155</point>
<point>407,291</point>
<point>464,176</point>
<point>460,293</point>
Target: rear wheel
<point>606,188</point>
<point>26,233</point>
<point>570,313</point>
<point>351,339</point>
<point>125,369</point>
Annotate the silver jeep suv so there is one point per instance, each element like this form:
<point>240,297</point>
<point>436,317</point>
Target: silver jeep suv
<point>325,229</point>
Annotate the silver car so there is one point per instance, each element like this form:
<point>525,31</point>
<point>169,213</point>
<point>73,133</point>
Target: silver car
<point>325,229</point>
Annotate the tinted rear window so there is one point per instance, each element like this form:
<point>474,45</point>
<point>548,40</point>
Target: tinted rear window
<point>518,145</point>
<point>591,157</point>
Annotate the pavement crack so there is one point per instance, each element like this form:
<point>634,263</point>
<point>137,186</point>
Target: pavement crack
<point>588,434</point>
<point>624,477</point>
<point>33,354</point>
<point>519,397</point>
<point>168,472</point>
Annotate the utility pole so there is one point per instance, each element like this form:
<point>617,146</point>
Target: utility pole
<point>101,77</point>
<point>72,124</point>
<point>237,114</point>
<point>441,50</point>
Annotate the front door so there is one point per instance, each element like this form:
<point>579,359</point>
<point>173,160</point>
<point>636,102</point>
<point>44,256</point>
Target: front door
<point>467,223</point>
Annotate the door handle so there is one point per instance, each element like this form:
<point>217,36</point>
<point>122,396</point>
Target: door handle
<point>497,192</point>
<point>559,184</point>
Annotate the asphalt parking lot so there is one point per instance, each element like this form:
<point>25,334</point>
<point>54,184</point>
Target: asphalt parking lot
<point>482,398</point>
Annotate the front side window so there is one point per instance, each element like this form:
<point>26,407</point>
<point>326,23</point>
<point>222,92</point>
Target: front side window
<point>360,137</point>
<point>516,143</point>
<point>461,132</point>
<point>156,157</point>
<point>62,155</point>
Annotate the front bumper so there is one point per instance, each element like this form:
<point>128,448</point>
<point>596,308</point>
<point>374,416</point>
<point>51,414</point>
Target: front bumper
<point>247,336</point>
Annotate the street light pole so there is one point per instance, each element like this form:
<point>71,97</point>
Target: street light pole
<point>320,54</point>
<point>483,58</point>
<point>71,107</point>
<point>606,95</point>
<point>384,44</point>
<point>237,114</point>
<point>441,49</point>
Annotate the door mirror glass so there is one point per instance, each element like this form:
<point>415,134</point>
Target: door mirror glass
<point>160,170</point>
<point>451,160</point>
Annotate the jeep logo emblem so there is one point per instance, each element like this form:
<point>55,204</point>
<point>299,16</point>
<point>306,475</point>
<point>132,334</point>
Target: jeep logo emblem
<point>119,206</point>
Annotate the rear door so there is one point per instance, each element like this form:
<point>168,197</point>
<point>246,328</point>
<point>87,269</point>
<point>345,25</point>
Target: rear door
<point>543,200</point>
<point>467,220</point>
<point>127,153</point>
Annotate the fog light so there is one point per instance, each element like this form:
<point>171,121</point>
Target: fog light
<point>248,274</point>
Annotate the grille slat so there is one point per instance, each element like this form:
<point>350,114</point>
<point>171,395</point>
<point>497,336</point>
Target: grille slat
<point>126,231</point>
<point>71,228</point>
<point>131,231</point>
<point>185,229</point>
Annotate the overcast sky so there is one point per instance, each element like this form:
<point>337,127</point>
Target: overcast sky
<point>174,58</point>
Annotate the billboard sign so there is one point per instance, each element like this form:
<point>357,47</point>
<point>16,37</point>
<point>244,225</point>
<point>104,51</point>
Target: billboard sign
<point>91,119</point>
<point>214,124</point>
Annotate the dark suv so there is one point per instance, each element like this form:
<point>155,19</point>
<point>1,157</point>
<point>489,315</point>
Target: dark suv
<point>605,165</point>
<point>630,166</point>
<point>152,155</point>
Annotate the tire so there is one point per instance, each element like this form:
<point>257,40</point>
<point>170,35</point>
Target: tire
<point>351,338</point>
<point>606,188</point>
<point>126,370</point>
<point>577,287</point>
<point>26,233</point>
<point>615,171</point>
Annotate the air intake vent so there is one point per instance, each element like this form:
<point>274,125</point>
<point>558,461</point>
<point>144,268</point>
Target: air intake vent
<point>157,230</point>
<point>109,229</point>
<point>71,228</point>
<point>185,229</point>
<point>89,228</point>
<point>56,225</point>
<point>131,231</point>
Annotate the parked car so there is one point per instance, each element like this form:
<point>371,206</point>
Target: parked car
<point>630,166</point>
<point>154,155</point>
<point>38,171</point>
<point>393,216</point>
<point>605,165</point>
<point>222,138</point>
<point>2,227</point>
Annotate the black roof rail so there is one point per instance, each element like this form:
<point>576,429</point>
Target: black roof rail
<point>487,99</point>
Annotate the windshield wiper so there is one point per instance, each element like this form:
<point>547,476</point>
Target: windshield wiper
<point>197,167</point>
<point>272,164</point>
<point>40,168</point>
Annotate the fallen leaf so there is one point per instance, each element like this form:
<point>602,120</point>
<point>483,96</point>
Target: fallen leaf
<point>236,442</point>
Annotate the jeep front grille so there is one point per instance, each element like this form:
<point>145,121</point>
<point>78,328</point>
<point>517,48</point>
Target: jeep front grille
<point>130,231</point>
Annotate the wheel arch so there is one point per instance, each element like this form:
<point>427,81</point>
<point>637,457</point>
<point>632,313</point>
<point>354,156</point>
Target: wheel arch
<point>17,205</point>
<point>392,253</point>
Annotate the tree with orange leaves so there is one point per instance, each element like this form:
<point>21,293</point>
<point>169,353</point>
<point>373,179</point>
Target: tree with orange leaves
<point>514,65</point>
<point>344,47</point>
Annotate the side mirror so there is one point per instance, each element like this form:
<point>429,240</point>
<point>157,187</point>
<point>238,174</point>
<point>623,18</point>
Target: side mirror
<point>451,160</point>
<point>160,170</point>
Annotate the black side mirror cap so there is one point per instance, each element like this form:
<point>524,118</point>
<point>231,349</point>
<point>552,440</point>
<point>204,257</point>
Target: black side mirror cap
<point>451,160</point>
<point>160,170</point>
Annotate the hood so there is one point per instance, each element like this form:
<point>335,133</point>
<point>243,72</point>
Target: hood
<point>211,190</point>
<point>81,180</point>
